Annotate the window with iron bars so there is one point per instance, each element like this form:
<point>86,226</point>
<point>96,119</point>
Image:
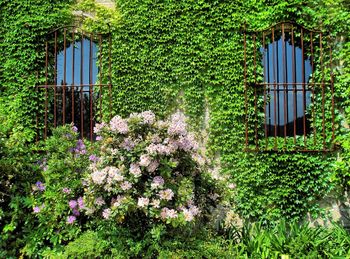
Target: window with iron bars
<point>289,92</point>
<point>77,87</point>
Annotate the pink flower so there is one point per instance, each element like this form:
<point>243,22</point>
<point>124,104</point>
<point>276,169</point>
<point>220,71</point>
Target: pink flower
<point>119,125</point>
<point>148,117</point>
<point>177,124</point>
<point>135,170</point>
<point>157,182</point>
<point>99,201</point>
<point>98,177</point>
<point>98,127</point>
<point>194,210</point>
<point>167,194</point>
<point>142,202</point>
<point>126,186</point>
<point>152,167</point>
<point>128,144</point>
<point>168,213</point>
<point>145,160</point>
<point>98,138</point>
<point>188,215</point>
<point>106,213</point>
<point>187,143</point>
<point>232,186</point>
<point>71,219</point>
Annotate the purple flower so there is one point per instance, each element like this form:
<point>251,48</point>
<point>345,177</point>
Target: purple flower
<point>76,212</point>
<point>71,219</point>
<point>81,202</point>
<point>93,158</point>
<point>148,117</point>
<point>177,125</point>
<point>66,190</point>
<point>72,204</point>
<point>36,209</point>
<point>75,129</point>
<point>41,187</point>
<point>157,182</point>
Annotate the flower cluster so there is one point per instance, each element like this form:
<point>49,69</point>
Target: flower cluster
<point>143,165</point>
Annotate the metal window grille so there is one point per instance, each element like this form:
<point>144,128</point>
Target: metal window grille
<point>77,85</point>
<point>289,92</point>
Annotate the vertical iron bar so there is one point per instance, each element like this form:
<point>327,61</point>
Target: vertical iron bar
<point>274,83</point>
<point>64,76</point>
<point>332,89</point>
<point>294,86</point>
<point>100,68</point>
<point>255,97</point>
<point>245,91</point>
<point>46,87</point>
<point>265,86</point>
<point>313,89</point>
<point>73,83</point>
<point>284,66</point>
<point>55,81</point>
<point>81,85</point>
<point>303,81</point>
<point>90,84</point>
<point>323,94</point>
<point>110,75</point>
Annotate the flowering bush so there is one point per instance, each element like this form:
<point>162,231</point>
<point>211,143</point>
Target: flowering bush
<point>62,166</point>
<point>146,169</point>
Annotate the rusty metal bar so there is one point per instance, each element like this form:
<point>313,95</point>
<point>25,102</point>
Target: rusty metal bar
<point>274,84</point>
<point>90,86</point>
<point>81,85</point>
<point>46,92</point>
<point>55,82</point>
<point>294,81</point>
<point>313,89</point>
<point>245,90</point>
<point>73,82</point>
<point>100,68</point>
<point>266,135</point>
<point>303,80</point>
<point>64,76</point>
<point>332,88</point>
<point>110,75</point>
<point>255,97</point>
<point>284,65</point>
<point>323,94</point>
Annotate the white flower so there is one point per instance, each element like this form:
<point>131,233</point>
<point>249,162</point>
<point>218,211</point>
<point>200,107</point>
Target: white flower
<point>126,186</point>
<point>135,170</point>
<point>106,213</point>
<point>142,202</point>
<point>118,124</point>
<point>167,194</point>
<point>155,203</point>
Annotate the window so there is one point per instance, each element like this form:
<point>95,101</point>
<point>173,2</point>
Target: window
<point>77,80</point>
<point>289,102</point>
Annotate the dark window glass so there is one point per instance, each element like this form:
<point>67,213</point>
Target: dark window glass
<point>286,73</point>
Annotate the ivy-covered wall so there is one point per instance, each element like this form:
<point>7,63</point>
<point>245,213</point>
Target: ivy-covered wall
<point>188,55</point>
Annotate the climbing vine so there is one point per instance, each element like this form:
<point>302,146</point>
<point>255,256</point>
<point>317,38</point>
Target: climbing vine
<point>188,55</point>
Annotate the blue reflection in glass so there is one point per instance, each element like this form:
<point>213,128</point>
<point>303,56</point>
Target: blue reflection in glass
<point>281,71</point>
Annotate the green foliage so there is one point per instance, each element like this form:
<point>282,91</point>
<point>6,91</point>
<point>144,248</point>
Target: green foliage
<point>88,245</point>
<point>23,29</point>
<point>188,55</point>
<point>292,240</point>
<point>62,166</point>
